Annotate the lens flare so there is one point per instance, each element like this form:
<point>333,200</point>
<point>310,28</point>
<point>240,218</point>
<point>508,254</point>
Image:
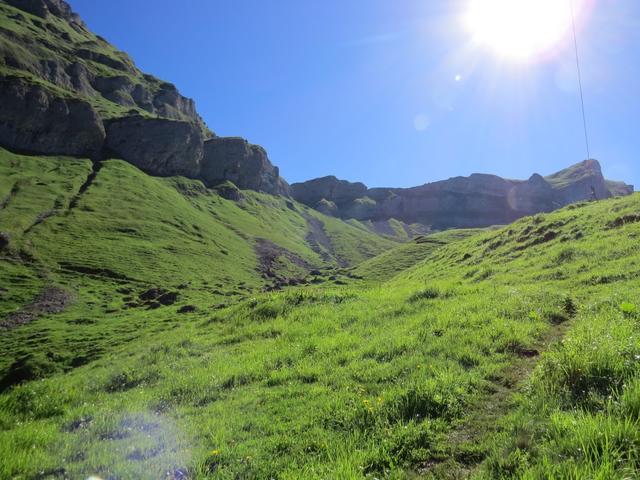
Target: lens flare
<point>519,29</point>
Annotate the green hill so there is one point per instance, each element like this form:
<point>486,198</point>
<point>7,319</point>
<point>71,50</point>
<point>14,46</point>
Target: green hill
<point>390,263</point>
<point>107,240</point>
<point>185,328</point>
<point>511,353</point>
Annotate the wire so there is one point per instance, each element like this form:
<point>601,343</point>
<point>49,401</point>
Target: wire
<point>575,44</point>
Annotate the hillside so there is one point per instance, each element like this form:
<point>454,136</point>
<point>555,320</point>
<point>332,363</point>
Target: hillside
<point>170,308</point>
<point>415,376</point>
<point>106,241</point>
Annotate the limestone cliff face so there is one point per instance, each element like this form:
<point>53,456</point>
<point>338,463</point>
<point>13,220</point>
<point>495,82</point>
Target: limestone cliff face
<point>67,91</point>
<point>329,188</point>
<point>157,146</point>
<point>58,48</point>
<point>32,119</point>
<point>476,201</point>
<point>245,165</point>
<point>579,182</point>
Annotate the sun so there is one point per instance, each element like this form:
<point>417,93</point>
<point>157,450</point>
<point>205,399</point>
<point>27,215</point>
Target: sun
<point>519,29</point>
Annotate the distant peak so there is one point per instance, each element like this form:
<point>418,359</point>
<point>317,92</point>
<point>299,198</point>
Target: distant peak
<point>593,164</point>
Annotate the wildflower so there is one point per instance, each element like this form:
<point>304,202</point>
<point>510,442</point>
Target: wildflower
<point>214,453</point>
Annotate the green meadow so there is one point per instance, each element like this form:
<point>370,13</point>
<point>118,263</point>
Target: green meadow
<point>511,352</point>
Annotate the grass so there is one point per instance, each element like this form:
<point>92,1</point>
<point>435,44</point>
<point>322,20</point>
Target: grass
<point>390,263</point>
<point>444,360</point>
<point>128,233</point>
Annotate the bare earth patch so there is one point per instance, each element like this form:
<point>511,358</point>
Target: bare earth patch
<point>50,300</point>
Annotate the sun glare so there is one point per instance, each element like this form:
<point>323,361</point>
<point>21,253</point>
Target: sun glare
<point>519,29</point>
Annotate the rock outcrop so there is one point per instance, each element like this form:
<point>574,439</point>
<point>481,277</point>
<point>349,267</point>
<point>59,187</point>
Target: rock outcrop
<point>157,146</point>
<point>67,91</point>
<point>236,160</point>
<point>78,95</point>
<point>33,119</point>
<point>328,188</point>
<point>85,64</point>
<point>580,182</point>
<point>475,201</point>
<point>44,8</point>
<point>619,189</point>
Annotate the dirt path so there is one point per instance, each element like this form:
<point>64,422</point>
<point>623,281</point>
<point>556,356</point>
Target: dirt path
<point>463,456</point>
<point>319,241</point>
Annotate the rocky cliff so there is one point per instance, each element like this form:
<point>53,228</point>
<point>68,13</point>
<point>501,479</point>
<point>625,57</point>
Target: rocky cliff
<point>476,201</point>
<point>67,91</point>
<point>244,164</point>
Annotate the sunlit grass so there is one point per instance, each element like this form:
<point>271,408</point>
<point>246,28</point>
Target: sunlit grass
<point>387,376</point>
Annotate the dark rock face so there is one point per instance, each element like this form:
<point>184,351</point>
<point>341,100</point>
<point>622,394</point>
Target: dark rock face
<point>169,103</point>
<point>42,8</point>
<point>236,160</point>
<point>33,119</point>
<point>328,188</point>
<point>619,189</point>
<point>476,201</point>
<point>583,181</point>
<point>156,146</point>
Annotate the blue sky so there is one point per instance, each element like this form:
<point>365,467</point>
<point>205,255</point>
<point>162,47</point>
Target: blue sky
<point>366,89</point>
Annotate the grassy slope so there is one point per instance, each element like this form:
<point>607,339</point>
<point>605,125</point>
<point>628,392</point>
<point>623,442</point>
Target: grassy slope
<point>388,264</point>
<point>343,382</point>
<point>132,232</point>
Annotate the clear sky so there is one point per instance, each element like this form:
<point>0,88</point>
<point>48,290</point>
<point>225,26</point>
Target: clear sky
<point>391,93</point>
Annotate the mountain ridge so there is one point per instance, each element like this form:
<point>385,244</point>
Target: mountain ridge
<point>479,200</point>
<point>66,91</point>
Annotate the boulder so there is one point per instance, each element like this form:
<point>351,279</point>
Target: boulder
<point>228,191</point>
<point>327,207</point>
<point>34,119</point>
<point>156,146</point>
<point>246,165</point>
